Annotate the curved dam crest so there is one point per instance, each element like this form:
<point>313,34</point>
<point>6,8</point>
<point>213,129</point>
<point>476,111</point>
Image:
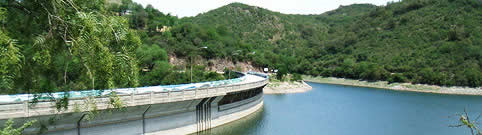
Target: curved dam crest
<point>166,112</point>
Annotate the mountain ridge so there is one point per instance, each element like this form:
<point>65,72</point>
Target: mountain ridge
<point>366,34</point>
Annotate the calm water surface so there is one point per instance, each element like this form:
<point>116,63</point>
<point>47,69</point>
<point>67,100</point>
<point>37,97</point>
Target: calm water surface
<point>345,110</point>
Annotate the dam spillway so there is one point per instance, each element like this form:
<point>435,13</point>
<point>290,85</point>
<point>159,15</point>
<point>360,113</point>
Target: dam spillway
<point>170,112</point>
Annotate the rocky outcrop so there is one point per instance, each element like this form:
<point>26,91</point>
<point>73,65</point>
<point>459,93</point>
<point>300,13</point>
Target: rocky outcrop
<point>217,64</point>
<point>286,87</point>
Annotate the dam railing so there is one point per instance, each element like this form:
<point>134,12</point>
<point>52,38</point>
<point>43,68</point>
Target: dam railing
<point>48,107</point>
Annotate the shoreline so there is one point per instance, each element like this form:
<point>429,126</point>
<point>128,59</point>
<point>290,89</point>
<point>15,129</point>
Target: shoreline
<point>286,87</point>
<point>408,87</point>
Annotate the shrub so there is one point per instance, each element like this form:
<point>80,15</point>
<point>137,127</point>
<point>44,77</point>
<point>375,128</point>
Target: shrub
<point>296,77</point>
<point>397,77</point>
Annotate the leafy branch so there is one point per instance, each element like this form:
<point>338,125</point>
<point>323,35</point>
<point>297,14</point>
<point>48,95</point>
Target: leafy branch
<point>10,130</point>
<point>465,121</point>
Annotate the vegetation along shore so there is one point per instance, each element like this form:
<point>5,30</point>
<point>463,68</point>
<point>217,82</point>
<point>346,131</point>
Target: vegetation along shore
<point>283,84</point>
<point>398,86</point>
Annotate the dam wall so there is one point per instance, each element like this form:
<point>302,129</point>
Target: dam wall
<point>169,112</point>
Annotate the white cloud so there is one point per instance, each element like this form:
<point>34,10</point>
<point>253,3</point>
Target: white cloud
<point>184,8</point>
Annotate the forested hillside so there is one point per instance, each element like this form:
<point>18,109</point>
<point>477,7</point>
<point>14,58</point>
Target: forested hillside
<point>419,41</point>
<point>279,40</point>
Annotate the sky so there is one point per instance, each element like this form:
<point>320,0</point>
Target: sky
<point>183,8</point>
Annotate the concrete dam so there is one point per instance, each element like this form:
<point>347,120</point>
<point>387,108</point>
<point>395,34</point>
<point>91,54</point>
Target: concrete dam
<point>147,110</point>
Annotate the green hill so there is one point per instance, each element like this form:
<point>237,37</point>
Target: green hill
<point>419,41</point>
<point>264,28</point>
<point>272,36</point>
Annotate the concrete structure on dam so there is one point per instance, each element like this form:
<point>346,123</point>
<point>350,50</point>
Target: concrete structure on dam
<point>167,112</point>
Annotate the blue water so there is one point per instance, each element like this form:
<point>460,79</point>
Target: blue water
<point>345,110</point>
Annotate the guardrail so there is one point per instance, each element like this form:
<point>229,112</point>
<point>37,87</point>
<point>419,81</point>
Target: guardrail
<point>99,93</point>
<point>259,74</point>
<point>28,109</point>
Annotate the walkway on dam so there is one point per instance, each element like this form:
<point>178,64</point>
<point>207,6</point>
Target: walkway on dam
<point>169,109</point>
<point>15,106</point>
<point>245,79</point>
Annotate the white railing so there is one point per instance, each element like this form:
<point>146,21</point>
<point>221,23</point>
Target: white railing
<point>48,107</point>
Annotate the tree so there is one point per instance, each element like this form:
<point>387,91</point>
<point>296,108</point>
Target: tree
<point>67,45</point>
<point>10,130</point>
<point>474,77</point>
<point>10,57</point>
<point>281,73</point>
<point>397,77</point>
<point>156,74</point>
<point>296,77</point>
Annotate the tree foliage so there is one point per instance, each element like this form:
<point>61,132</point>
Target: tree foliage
<point>10,130</point>
<point>65,45</point>
<point>10,57</point>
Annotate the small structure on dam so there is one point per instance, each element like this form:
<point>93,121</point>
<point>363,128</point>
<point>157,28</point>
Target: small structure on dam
<point>174,109</point>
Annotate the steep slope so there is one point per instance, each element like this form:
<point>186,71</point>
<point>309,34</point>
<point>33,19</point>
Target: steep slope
<point>277,38</point>
<point>263,27</point>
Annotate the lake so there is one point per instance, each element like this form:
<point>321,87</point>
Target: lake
<point>346,110</point>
